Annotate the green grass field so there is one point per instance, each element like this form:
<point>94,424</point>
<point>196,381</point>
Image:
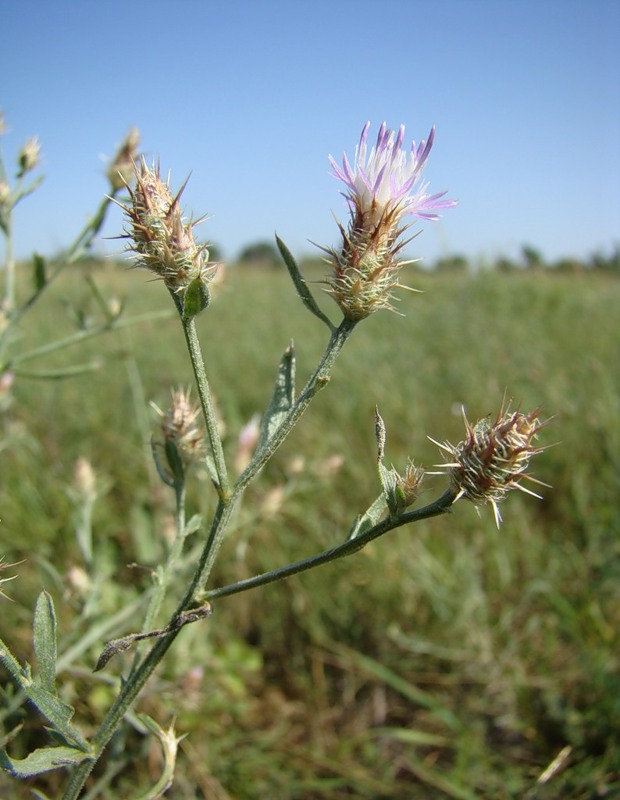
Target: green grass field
<point>447,659</point>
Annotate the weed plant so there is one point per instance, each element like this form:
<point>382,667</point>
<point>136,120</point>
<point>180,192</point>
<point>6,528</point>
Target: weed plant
<point>454,659</point>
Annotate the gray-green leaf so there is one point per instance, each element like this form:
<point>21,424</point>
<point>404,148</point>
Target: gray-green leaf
<point>44,629</point>
<point>282,398</point>
<point>300,284</point>
<point>42,760</point>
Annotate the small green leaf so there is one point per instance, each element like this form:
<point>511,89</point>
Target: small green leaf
<point>45,642</point>
<point>282,398</point>
<point>175,462</point>
<point>196,299</point>
<point>42,760</point>
<point>300,284</point>
<point>39,270</point>
<point>367,520</point>
<point>193,525</point>
<point>57,712</point>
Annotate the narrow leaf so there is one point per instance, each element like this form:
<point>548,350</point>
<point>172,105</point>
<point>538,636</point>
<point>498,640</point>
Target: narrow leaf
<point>193,525</point>
<point>282,398</point>
<point>44,629</point>
<point>42,760</point>
<point>368,519</point>
<point>39,270</point>
<point>300,284</point>
<point>57,712</point>
<point>48,703</point>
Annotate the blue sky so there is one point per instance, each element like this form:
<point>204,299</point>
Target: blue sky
<point>251,97</point>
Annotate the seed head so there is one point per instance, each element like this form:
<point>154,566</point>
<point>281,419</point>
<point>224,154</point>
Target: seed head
<point>494,457</point>
<point>382,188</point>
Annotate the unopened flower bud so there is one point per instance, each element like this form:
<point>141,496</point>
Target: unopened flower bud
<point>121,170</point>
<point>163,240</point>
<point>246,443</point>
<point>29,156</point>
<point>181,429</point>
<point>85,481</point>
<point>408,485</point>
<point>494,457</point>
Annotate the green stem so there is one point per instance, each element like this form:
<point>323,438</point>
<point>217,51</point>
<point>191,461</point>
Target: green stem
<point>10,266</point>
<point>318,381</point>
<point>163,576</point>
<point>80,336</point>
<point>135,683</point>
<point>79,247</point>
<point>204,392</point>
<point>226,505</point>
<point>440,506</point>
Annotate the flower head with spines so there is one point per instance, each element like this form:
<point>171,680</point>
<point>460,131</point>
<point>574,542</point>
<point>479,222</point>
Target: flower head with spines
<point>494,457</point>
<point>383,186</point>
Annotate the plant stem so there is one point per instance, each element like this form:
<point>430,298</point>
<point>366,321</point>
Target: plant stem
<point>318,381</point>
<point>440,506</point>
<point>81,244</point>
<point>226,505</point>
<point>204,392</point>
<point>163,575</point>
<point>138,678</point>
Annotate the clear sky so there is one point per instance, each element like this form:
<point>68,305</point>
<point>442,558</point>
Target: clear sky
<point>251,96</point>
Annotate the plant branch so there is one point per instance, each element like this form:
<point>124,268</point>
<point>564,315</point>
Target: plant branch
<point>440,506</point>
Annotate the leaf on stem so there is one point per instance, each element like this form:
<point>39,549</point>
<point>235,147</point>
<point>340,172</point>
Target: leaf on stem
<point>367,520</point>
<point>42,760</point>
<point>44,630</point>
<point>282,399</point>
<point>298,279</point>
<point>39,266</point>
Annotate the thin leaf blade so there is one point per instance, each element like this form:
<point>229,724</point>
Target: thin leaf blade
<point>44,759</point>
<point>298,279</point>
<point>44,630</point>
<point>282,398</point>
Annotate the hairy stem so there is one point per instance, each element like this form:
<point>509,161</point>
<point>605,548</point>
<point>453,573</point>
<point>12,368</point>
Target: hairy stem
<point>440,506</point>
<point>226,505</point>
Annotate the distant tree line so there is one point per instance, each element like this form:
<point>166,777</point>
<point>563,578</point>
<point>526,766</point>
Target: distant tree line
<point>531,259</point>
<point>265,254</point>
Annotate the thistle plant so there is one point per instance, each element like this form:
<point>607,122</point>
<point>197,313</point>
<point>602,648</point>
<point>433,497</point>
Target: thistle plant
<point>383,189</point>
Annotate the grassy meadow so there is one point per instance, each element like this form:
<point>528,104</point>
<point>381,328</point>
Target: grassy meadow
<point>447,659</point>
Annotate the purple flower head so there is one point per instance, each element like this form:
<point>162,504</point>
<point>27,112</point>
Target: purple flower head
<point>385,183</point>
<point>383,186</point>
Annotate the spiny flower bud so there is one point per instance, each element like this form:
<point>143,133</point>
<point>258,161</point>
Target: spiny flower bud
<point>84,481</point>
<point>181,429</point>
<point>162,239</point>
<point>400,491</point>
<point>179,425</point>
<point>29,156</point>
<point>121,169</point>
<point>494,457</point>
<point>381,190</point>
